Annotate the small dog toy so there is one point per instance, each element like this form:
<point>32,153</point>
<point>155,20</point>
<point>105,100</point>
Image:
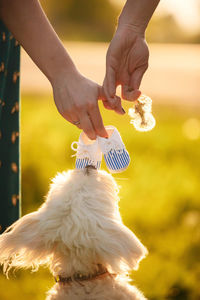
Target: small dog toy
<point>141,114</point>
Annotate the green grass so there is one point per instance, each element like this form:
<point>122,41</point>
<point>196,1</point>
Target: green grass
<point>159,195</point>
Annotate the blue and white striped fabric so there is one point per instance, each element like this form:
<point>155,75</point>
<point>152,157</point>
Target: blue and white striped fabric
<point>81,163</point>
<point>87,152</point>
<point>117,161</point>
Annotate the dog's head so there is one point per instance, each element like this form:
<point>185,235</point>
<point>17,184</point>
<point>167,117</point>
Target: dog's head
<point>78,227</point>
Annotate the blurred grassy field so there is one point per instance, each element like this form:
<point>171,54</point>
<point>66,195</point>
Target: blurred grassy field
<point>159,193</point>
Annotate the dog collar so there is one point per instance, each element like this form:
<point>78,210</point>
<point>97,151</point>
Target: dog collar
<point>80,277</point>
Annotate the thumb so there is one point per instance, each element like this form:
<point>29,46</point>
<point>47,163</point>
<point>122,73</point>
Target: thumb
<point>128,93</point>
<point>131,92</point>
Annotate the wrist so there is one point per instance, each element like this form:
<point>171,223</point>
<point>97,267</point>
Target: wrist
<point>125,28</point>
<point>62,69</point>
<point>65,75</point>
<point>137,14</point>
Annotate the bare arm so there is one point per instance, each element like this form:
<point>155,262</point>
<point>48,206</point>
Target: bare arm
<point>137,13</point>
<point>75,96</point>
<point>128,54</point>
<point>28,23</point>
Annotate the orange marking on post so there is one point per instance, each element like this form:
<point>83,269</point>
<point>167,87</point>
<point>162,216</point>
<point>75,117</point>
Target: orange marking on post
<point>15,76</point>
<point>3,36</point>
<point>14,167</point>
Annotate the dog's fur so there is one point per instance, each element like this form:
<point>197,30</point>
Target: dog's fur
<point>77,229</point>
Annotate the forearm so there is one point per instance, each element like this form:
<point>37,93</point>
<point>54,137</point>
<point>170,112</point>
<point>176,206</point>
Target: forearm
<point>29,25</point>
<point>137,13</point>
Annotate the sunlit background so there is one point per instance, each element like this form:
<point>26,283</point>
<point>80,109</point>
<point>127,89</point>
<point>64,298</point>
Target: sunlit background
<point>160,190</point>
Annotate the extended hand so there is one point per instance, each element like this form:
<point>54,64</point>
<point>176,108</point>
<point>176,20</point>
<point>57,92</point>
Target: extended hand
<point>126,63</point>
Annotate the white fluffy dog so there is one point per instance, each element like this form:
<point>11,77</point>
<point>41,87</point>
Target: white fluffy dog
<point>79,234</point>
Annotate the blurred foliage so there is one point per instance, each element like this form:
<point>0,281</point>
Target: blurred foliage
<point>165,29</point>
<point>159,195</point>
<point>95,20</point>
<point>92,20</point>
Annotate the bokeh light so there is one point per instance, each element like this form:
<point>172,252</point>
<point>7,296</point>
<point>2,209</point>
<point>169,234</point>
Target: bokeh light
<point>191,129</point>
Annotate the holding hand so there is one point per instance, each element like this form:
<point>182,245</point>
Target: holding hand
<point>128,54</point>
<point>126,63</point>
<point>76,99</point>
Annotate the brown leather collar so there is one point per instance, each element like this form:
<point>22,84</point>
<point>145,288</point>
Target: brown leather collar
<point>80,277</point>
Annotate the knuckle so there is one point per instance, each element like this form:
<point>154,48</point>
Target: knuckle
<point>69,109</point>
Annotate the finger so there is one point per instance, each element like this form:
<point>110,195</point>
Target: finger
<point>72,118</point>
<point>128,93</point>
<point>106,93</point>
<point>97,121</point>
<point>118,108</point>
<point>136,77</point>
<point>87,126</point>
<point>106,105</point>
<point>111,81</point>
<point>116,104</point>
<point>131,91</point>
<point>102,96</point>
<point>113,103</point>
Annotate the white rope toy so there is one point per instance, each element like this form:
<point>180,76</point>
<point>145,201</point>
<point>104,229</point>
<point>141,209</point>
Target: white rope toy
<point>141,116</point>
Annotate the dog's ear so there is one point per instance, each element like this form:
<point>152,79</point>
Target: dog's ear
<point>22,246</point>
<point>120,249</point>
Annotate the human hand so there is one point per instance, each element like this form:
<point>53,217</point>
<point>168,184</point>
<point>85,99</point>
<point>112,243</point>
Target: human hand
<point>76,99</point>
<point>126,63</point>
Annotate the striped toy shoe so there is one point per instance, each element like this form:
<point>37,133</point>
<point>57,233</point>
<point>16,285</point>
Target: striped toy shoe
<point>115,154</point>
<point>87,152</point>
